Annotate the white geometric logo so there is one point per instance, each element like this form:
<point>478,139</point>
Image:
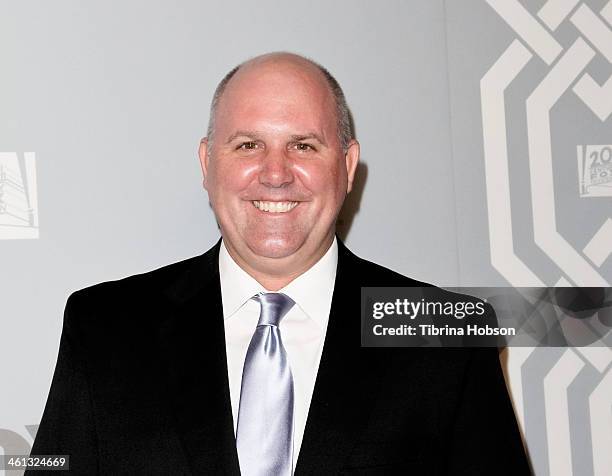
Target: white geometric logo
<point>18,196</point>
<point>564,417</point>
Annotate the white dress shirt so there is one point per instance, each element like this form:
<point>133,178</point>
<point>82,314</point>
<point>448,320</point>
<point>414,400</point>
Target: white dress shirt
<point>302,329</point>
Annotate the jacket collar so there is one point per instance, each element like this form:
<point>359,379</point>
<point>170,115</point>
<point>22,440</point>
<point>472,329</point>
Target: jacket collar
<point>192,338</point>
<point>348,379</point>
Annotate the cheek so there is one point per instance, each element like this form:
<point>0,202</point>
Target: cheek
<point>227,177</point>
<point>324,181</point>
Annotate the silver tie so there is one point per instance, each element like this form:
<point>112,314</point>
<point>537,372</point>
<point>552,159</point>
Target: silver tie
<point>264,436</point>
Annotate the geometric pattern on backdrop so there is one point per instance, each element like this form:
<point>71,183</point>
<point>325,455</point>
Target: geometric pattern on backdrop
<point>567,431</point>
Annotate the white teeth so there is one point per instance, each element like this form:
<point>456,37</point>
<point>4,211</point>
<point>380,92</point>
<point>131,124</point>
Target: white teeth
<point>274,207</point>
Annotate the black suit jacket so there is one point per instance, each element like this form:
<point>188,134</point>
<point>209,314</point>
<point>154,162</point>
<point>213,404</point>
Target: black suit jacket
<point>141,387</point>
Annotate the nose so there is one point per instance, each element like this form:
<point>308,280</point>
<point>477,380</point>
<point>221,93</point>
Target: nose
<point>276,170</point>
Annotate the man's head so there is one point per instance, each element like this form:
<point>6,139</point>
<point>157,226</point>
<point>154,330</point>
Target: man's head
<point>278,162</point>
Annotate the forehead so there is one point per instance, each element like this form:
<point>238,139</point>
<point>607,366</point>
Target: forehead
<point>279,94</point>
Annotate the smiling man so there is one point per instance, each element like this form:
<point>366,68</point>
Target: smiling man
<point>278,162</point>
<point>247,358</point>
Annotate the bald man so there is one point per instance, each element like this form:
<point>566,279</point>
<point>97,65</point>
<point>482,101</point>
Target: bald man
<point>247,358</point>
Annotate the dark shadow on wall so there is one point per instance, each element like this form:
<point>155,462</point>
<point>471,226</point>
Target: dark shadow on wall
<point>352,201</point>
<point>351,204</point>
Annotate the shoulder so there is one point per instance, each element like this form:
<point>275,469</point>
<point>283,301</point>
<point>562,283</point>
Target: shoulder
<point>147,282</point>
<point>139,298</point>
<point>370,273</point>
<point>366,273</point>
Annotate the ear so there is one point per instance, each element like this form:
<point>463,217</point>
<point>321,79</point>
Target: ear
<point>203,153</point>
<point>352,159</point>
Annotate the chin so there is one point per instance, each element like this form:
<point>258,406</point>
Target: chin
<point>275,247</point>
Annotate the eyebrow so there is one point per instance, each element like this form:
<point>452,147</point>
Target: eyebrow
<point>255,135</point>
<point>249,134</point>
<point>310,135</point>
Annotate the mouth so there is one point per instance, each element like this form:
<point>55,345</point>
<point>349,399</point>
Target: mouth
<point>274,207</point>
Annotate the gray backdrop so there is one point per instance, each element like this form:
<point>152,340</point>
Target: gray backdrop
<point>483,127</point>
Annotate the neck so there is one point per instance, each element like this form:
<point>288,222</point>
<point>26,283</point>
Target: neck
<point>276,273</point>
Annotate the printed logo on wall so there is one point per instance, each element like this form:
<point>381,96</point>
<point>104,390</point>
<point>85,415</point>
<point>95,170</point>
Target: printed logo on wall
<point>571,388</point>
<point>595,170</point>
<point>18,196</point>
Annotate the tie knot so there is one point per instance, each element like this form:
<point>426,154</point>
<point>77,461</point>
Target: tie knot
<point>274,306</point>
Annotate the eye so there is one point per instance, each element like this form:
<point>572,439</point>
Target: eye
<point>249,145</point>
<point>303,147</point>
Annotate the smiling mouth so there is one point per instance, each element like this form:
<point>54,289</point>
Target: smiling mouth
<point>274,207</point>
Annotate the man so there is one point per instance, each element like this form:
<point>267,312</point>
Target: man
<point>248,358</point>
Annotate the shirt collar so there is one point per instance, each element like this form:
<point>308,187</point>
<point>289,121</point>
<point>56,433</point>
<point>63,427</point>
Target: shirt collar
<point>312,291</point>
<point>237,286</point>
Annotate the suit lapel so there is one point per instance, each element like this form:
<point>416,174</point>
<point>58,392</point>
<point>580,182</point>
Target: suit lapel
<point>347,382</point>
<point>193,341</point>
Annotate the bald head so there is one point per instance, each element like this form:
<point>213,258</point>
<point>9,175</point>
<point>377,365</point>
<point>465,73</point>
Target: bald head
<point>287,65</point>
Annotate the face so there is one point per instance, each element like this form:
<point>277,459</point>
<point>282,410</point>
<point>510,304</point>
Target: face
<point>276,174</point>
